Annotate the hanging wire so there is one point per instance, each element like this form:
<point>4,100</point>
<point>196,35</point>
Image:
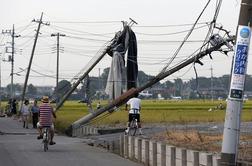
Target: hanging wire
<point>171,25</point>
<point>210,32</point>
<point>167,34</point>
<point>77,32</point>
<point>185,39</point>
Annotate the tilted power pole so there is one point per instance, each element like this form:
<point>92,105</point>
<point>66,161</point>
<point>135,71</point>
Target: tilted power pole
<point>232,123</point>
<point>130,93</point>
<point>31,58</point>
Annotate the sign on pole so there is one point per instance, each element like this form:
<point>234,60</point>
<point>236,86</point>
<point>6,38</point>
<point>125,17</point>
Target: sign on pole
<point>240,63</point>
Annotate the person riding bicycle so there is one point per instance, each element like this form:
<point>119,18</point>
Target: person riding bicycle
<point>134,112</point>
<point>45,119</point>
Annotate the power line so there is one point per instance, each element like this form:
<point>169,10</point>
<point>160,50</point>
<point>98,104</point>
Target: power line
<point>167,34</point>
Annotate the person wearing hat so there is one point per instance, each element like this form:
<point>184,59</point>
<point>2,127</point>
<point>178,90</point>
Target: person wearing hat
<point>46,115</point>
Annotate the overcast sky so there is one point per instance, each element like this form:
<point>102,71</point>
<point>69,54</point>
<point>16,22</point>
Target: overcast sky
<point>89,24</point>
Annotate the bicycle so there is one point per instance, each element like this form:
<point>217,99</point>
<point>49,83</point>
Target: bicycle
<point>45,140</point>
<point>133,126</point>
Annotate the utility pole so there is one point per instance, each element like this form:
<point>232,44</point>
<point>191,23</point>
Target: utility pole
<point>231,133</point>
<point>13,36</point>
<point>57,66</point>
<point>0,84</point>
<point>211,83</point>
<point>31,58</point>
<point>130,93</point>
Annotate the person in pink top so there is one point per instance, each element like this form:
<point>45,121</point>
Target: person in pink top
<point>46,115</point>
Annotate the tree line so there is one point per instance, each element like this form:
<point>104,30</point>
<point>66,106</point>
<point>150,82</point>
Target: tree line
<point>201,87</point>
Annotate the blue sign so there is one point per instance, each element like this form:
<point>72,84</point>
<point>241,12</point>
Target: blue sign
<point>241,59</point>
<point>244,32</point>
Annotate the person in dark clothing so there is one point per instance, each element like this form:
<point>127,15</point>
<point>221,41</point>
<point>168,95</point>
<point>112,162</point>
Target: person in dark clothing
<point>14,107</point>
<point>35,114</point>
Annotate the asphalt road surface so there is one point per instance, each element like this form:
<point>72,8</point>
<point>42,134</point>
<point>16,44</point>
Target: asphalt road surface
<point>19,147</point>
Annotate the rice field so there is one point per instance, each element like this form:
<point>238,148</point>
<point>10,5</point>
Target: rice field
<point>153,111</point>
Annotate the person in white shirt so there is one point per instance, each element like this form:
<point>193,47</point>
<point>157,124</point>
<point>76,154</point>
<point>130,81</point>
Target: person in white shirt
<point>134,112</point>
<point>25,112</point>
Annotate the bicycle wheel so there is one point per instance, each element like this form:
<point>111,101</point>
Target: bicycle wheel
<point>45,140</point>
<point>133,128</point>
<point>45,145</point>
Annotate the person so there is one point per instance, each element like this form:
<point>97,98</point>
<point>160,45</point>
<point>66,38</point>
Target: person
<point>14,108</point>
<point>25,113</point>
<point>45,119</point>
<point>35,112</point>
<point>134,111</point>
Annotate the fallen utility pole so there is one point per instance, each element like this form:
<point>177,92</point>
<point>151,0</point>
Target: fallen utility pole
<point>75,85</point>
<point>231,133</point>
<point>92,63</point>
<point>130,93</point>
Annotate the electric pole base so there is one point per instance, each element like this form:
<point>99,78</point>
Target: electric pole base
<point>227,159</point>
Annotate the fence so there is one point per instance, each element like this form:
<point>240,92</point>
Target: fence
<point>153,153</point>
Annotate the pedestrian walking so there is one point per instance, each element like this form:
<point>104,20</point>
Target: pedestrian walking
<point>35,114</point>
<point>25,112</point>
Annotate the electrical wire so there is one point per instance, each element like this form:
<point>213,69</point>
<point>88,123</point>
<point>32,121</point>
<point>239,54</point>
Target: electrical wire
<point>165,26</point>
<point>73,32</point>
<point>168,34</point>
<point>185,39</point>
<point>85,22</point>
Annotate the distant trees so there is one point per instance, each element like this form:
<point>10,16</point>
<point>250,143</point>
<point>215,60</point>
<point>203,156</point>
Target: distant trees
<point>190,89</point>
<point>31,90</point>
<point>16,88</point>
<point>62,88</point>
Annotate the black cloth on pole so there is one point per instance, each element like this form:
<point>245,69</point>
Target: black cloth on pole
<point>132,66</point>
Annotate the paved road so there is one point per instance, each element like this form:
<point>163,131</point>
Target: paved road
<point>19,147</point>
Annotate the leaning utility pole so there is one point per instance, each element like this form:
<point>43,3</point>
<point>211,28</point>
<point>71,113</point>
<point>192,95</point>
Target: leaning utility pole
<point>130,93</point>
<point>232,123</point>
<point>57,66</point>
<point>31,58</point>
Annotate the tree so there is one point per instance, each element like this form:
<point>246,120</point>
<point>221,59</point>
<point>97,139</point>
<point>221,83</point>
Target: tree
<point>62,88</point>
<point>16,88</point>
<point>31,89</point>
<point>179,86</point>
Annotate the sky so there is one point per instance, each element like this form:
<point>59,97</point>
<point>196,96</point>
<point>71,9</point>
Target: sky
<point>90,24</point>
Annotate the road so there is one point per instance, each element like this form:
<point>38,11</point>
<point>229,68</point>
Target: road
<point>19,147</point>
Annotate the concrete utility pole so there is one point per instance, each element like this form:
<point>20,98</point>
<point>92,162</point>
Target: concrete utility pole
<point>31,58</point>
<point>57,66</point>
<point>211,83</point>
<point>130,93</point>
<point>0,83</point>
<point>231,131</point>
<point>13,36</point>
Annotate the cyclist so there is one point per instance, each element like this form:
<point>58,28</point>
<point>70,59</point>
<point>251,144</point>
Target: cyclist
<point>134,112</point>
<point>45,119</point>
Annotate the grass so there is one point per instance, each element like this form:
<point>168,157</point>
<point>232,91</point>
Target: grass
<point>177,112</point>
<point>153,111</point>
